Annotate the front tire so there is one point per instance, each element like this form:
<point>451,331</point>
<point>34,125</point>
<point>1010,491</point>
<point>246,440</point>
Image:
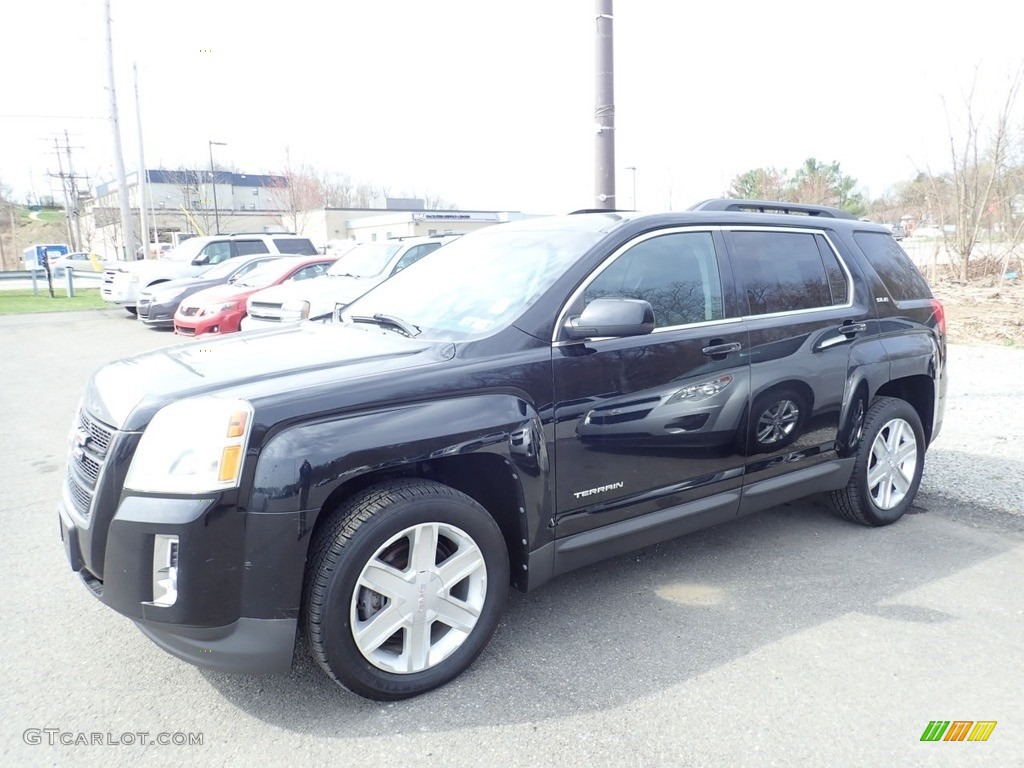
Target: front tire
<point>888,468</point>
<point>404,587</point>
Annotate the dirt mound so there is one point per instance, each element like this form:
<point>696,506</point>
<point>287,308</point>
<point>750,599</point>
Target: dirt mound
<point>988,311</point>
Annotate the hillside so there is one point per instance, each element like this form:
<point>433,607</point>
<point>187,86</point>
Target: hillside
<point>43,227</point>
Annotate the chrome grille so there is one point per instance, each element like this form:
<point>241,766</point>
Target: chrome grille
<point>90,443</point>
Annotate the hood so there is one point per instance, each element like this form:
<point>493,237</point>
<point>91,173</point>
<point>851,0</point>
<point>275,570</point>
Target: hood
<point>191,284</point>
<point>325,288</point>
<point>219,293</point>
<point>127,393</point>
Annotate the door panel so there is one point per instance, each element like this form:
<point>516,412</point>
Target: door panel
<point>644,423</point>
<point>803,322</point>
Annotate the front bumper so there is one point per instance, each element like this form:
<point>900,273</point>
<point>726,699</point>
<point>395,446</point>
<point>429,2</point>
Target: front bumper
<point>156,313</point>
<point>239,577</point>
<point>203,325</point>
<point>120,288</point>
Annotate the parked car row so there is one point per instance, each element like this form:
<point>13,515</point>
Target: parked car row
<point>238,283</point>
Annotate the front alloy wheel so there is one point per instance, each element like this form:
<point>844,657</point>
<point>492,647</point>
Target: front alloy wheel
<point>404,587</point>
<point>418,598</point>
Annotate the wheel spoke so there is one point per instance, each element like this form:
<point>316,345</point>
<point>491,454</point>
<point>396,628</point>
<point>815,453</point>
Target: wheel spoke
<point>906,452</point>
<point>371,635</point>
<point>457,614</point>
<point>877,474</point>
<point>388,581</point>
<point>901,483</point>
<point>423,548</point>
<point>417,646</point>
<point>463,563</point>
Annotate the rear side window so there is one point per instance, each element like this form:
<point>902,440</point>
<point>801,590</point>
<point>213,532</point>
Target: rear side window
<point>787,272</point>
<point>302,247</point>
<point>892,264</point>
<point>246,247</point>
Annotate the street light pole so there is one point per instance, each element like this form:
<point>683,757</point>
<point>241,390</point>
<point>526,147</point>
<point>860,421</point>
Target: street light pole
<point>633,169</point>
<point>213,181</point>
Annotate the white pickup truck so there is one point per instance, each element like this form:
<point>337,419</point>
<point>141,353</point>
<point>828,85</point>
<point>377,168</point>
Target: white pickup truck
<point>359,270</point>
<point>122,281</point>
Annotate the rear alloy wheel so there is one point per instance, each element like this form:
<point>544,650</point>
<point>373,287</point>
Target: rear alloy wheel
<point>404,588</point>
<point>888,468</point>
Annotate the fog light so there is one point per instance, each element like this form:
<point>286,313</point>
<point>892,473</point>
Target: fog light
<point>165,569</point>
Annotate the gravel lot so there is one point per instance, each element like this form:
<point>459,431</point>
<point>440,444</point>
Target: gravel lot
<point>979,455</point>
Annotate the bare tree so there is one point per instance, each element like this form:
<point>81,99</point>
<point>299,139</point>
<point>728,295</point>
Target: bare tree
<point>298,190</point>
<point>979,185</point>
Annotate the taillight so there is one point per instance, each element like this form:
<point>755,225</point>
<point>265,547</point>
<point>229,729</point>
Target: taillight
<point>939,313</point>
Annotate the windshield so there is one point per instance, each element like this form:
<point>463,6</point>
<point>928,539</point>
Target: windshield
<point>228,268</point>
<point>186,251</point>
<point>477,284</point>
<point>267,274</point>
<point>366,260</point>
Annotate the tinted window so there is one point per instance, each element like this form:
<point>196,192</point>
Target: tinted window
<point>217,252</point>
<point>782,272</point>
<point>245,247</point>
<point>414,254</point>
<point>313,270</point>
<point>677,273</point>
<point>300,246</point>
<point>893,265</point>
<point>837,281</point>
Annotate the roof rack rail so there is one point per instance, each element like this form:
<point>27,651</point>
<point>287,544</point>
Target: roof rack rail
<point>601,210</point>
<point>233,234</point>
<point>770,206</point>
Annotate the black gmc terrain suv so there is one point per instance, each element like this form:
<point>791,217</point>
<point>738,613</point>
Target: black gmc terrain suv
<point>532,398</point>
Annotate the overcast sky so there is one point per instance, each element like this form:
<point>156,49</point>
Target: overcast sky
<point>491,104</point>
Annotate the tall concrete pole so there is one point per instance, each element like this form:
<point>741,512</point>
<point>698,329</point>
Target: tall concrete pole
<point>604,111</point>
<point>142,168</point>
<point>127,230</point>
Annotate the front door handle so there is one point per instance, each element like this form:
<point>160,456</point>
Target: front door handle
<point>719,351</point>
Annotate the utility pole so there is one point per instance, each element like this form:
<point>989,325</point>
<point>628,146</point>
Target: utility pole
<point>127,231</point>
<point>64,189</point>
<point>604,110</point>
<point>75,196</point>
<point>143,176</point>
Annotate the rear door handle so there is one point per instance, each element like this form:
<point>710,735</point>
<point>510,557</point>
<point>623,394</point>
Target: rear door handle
<point>849,329</point>
<point>722,349</point>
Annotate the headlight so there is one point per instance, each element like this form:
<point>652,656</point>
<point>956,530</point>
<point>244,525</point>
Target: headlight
<point>701,390</point>
<point>192,446</point>
<point>295,310</point>
<point>213,309</point>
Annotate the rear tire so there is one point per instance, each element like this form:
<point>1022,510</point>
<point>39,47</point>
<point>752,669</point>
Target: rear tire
<point>404,587</point>
<point>888,468</point>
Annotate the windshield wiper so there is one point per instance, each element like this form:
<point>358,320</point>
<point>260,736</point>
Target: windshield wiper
<point>388,321</point>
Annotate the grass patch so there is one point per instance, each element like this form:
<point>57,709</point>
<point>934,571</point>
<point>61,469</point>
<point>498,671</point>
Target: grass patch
<point>22,301</point>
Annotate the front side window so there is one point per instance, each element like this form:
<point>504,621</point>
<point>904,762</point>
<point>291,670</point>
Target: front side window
<point>676,273</point>
<point>217,252</point>
<point>414,254</point>
<point>784,272</point>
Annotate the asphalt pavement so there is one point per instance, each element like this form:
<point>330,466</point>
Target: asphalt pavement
<point>788,638</point>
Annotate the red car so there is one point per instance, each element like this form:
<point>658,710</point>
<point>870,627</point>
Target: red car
<point>220,309</point>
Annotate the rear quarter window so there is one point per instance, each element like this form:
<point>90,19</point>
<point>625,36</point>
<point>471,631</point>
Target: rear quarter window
<point>899,274</point>
<point>302,247</point>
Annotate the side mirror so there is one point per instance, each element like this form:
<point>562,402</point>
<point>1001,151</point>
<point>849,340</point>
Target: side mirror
<point>612,317</point>
<point>200,260</point>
